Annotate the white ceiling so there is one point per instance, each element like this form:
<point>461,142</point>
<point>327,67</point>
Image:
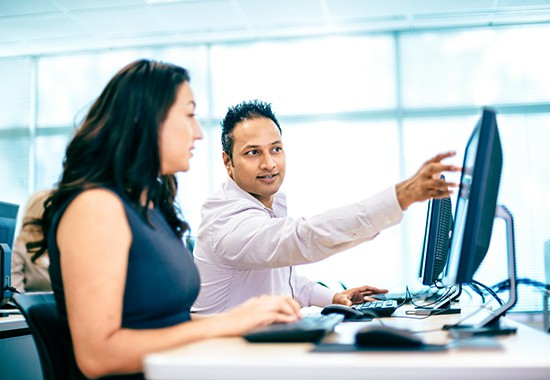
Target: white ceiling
<point>29,27</point>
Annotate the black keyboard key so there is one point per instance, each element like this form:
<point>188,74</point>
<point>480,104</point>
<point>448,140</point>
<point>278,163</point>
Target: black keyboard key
<point>378,308</point>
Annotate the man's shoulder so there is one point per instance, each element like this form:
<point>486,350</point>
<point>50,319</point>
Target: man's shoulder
<point>227,200</point>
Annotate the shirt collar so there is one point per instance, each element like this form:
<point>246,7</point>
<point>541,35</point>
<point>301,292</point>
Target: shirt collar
<point>279,200</point>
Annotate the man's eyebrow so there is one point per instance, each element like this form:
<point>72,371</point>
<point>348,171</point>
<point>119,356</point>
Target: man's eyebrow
<point>252,146</point>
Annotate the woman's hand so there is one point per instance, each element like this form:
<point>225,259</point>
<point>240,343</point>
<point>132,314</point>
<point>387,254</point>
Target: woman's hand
<point>260,311</point>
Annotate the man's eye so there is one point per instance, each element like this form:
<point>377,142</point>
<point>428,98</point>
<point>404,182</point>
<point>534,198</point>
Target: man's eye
<point>252,152</point>
<point>278,149</point>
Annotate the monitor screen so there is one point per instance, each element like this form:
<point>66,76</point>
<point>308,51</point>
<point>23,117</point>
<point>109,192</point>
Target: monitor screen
<point>8,221</point>
<point>476,201</point>
<point>437,237</point>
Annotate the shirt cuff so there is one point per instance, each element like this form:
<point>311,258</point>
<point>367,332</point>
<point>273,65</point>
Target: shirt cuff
<point>382,210</point>
<point>321,296</point>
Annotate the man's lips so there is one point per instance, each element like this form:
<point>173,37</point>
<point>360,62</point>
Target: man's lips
<point>267,176</point>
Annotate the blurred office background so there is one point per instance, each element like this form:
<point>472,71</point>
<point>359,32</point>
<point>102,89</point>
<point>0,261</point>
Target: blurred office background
<point>365,91</point>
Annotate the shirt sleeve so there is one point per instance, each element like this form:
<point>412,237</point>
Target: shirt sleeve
<point>310,293</point>
<point>243,235</point>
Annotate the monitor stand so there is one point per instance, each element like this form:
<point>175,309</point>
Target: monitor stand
<point>492,324</point>
<point>442,308</point>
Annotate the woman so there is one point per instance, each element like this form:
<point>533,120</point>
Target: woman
<point>118,267</point>
<point>30,273</point>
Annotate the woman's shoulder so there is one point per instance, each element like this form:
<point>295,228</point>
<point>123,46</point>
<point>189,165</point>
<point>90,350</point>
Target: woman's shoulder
<point>99,196</point>
<point>95,201</point>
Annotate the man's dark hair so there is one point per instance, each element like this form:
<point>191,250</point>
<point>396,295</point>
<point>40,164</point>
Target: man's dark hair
<point>243,111</point>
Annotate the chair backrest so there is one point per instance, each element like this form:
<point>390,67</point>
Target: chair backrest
<point>51,335</point>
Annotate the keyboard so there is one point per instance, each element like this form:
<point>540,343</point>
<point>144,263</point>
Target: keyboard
<point>398,296</point>
<point>311,328</point>
<point>377,308</point>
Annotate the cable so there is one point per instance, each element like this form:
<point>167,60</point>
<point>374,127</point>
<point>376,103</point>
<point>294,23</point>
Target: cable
<point>476,289</point>
<point>505,285</point>
<point>490,291</point>
<point>435,302</point>
<point>12,289</point>
<point>290,283</point>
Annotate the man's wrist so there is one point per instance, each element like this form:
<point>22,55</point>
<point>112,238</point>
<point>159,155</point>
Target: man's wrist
<point>402,194</point>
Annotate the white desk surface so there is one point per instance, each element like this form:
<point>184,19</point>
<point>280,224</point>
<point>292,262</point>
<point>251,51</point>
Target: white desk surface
<point>524,355</point>
<point>14,321</point>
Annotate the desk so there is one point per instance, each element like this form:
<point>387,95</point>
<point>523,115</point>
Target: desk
<point>524,355</point>
<point>18,356</point>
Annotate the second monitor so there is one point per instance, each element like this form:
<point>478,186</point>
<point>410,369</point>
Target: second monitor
<point>437,237</point>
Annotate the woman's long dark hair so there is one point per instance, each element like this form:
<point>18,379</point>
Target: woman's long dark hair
<point>117,145</point>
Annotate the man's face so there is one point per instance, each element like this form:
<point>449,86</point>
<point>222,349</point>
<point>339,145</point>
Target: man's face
<point>258,165</point>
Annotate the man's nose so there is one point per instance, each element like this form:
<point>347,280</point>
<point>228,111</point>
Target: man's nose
<point>267,162</point>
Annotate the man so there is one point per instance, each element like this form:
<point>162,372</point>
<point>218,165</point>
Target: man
<point>247,245</point>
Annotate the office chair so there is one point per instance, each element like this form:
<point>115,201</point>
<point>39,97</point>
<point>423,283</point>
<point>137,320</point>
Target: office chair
<point>51,335</point>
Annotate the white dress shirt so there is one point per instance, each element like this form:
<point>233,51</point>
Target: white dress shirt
<point>245,249</point>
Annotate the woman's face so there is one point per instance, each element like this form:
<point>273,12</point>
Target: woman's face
<point>178,133</point>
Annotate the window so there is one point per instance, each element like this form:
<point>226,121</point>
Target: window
<point>15,93</point>
<point>475,67</point>
<point>326,169</point>
<point>343,102</point>
<point>308,76</point>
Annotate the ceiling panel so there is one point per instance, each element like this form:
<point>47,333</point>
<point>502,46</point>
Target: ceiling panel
<point>74,5</point>
<point>38,26</point>
<point>8,35</point>
<point>283,12</point>
<point>49,25</point>
<point>201,15</point>
<point>25,7</point>
<point>126,20</point>
<point>369,9</point>
<point>451,6</point>
<point>522,3</point>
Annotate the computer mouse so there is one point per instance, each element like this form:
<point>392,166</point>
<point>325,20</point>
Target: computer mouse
<point>346,311</point>
<point>387,337</point>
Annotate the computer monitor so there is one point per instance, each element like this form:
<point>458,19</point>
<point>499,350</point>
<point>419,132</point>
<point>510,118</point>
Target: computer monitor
<point>476,202</point>
<point>8,221</point>
<point>435,251</point>
<point>437,237</point>
<point>476,209</point>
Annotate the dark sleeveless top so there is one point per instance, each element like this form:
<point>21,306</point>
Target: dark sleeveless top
<point>162,280</point>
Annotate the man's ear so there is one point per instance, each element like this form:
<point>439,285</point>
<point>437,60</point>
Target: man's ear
<point>228,164</point>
